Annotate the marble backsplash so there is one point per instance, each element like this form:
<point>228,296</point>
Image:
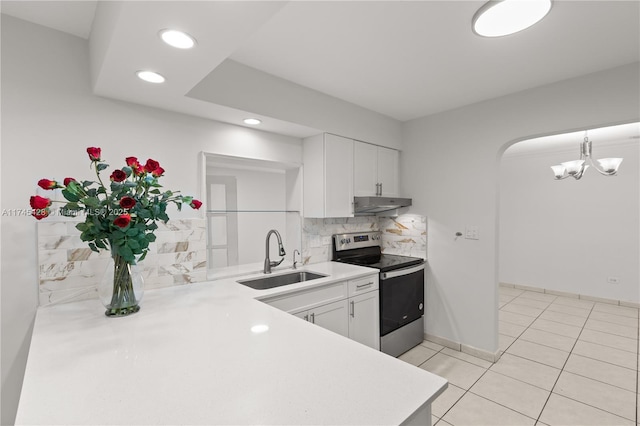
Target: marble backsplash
<point>70,271</point>
<point>404,235</point>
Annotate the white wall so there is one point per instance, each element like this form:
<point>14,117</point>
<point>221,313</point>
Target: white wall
<point>450,167</point>
<point>49,117</point>
<point>571,235</point>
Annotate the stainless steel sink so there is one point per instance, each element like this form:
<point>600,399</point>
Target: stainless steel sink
<point>272,281</point>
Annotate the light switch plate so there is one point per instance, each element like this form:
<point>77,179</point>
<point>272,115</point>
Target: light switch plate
<point>326,241</point>
<point>471,233</point>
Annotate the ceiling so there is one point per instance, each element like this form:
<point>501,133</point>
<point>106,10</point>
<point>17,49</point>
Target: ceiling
<point>401,59</point>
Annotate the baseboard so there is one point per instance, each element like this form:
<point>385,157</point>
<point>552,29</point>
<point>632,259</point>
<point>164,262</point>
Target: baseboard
<point>470,350</point>
<point>572,295</point>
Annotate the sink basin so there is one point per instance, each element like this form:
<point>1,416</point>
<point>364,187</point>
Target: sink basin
<point>272,281</point>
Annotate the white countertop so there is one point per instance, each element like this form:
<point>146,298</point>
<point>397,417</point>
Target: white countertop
<point>189,357</point>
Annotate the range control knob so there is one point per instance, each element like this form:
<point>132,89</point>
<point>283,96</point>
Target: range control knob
<point>344,241</point>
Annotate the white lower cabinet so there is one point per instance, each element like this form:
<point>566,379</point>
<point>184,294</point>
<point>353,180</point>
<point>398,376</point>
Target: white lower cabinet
<point>364,324</point>
<point>332,317</point>
<point>349,308</point>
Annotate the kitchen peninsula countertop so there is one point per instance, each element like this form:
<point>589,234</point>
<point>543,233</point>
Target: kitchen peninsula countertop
<point>189,357</point>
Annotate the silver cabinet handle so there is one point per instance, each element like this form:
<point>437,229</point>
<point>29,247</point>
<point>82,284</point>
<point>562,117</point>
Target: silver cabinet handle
<point>306,317</point>
<point>313,318</point>
<point>380,189</point>
<point>353,309</point>
<point>364,285</point>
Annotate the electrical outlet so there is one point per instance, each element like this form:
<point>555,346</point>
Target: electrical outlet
<point>613,280</point>
<point>326,241</point>
<point>471,232</point>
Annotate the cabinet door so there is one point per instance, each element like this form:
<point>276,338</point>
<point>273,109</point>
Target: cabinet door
<point>332,317</point>
<point>365,165</point>
<point>338,175</point>
<point>388,171</point>
<point>364,319</point>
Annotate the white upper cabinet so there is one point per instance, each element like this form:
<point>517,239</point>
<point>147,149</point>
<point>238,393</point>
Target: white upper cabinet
<point>375,170</point>
<point>328,176</point>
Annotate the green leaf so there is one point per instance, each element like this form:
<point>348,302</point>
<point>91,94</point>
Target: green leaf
<point>133,244</point>
<point>132,232</point>
<point>130,184</point>
<point>91,201</point>
<point>70,196</point>
<point>155,191</point>
<point>127,170</point>
<point>144,213</point>
<point>82,226</point>
<point>117,235</point>
<point>150,237</point>
<point>101,166</point>
<point>144,254</point>
<point>127,253</point>
<point>92,246</point>
<point>152,226</point>
<point>101,244</point>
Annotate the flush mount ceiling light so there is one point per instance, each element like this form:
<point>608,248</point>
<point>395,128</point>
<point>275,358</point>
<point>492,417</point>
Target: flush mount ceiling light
<point>177,39</point>
<point>150,76</point>
<point>503,17</point>
<point>252,121</point>
<point>575,169</point>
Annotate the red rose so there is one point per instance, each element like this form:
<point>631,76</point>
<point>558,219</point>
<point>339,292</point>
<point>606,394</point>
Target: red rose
<point>68,180</point>
<point>158,172</point>
<point>40,214</point>
<point>40,206</point>
<point>118,176</point>
<point>127,203</point>
<point>48,184</point>
<point>94,153</point>
<point>151,165</point>
<point>135,165</point>
<point>195,204</point>
<point>37,202</point>
<point>122,221</point>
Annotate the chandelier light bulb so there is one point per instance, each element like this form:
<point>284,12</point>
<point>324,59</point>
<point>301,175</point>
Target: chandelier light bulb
<point>610,165</point>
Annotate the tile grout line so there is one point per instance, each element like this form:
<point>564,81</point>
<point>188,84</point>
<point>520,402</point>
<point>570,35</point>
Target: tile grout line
<point>582,402</point>
<point>563,366</point>
<point>487,369</point>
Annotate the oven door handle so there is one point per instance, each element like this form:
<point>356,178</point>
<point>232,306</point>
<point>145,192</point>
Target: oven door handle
<point>401,272</point>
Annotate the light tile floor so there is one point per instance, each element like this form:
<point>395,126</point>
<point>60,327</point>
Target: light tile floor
<point>566,362</point>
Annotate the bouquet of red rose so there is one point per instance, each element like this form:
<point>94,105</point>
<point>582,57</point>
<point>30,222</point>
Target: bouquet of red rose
<point>121,217</point>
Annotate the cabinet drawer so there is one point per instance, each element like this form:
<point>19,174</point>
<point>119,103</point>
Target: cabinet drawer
<point>305,299</point>
<point>363,285</point>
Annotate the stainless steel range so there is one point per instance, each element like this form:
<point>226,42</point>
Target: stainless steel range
<point>401,288</point>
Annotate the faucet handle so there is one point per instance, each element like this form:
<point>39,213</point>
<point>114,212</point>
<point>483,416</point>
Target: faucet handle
<point>294,258</point>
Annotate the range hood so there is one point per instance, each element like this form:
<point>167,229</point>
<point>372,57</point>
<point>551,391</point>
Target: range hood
<point>369,205</point>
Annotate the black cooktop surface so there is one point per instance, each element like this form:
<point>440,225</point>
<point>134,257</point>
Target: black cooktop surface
<point>384,262</point>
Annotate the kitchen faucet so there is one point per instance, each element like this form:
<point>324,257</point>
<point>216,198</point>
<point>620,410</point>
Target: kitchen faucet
<point>268,264</point>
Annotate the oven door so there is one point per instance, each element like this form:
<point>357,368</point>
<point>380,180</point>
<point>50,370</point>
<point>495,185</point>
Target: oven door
<point>401,297</point>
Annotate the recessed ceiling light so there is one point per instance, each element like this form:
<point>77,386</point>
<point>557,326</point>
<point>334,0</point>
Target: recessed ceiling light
<point>503,17</point>
<point>150,76</point>
<point>252,121</point>
<point>177,39</point>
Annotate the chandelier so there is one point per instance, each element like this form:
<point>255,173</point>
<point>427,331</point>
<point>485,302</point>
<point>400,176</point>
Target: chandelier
<point>575,169</point>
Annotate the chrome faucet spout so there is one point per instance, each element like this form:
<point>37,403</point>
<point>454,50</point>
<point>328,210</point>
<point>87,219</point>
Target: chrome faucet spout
<point>268,264</point>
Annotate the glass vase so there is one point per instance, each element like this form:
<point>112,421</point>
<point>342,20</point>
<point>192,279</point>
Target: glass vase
<point>121,288</point>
